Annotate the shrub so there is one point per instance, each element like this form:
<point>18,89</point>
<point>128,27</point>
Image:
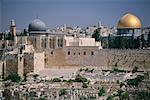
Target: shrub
<point>135,69</point>
<point>63,92</point>
<point>110,97</point>
<point>142,95</point>
<point>85,85</point>
<point>86,70</point>
<point>71,81</point>
<point>117,70</point>
<point>79,78</point>
<point>56,80</point>
<point>135,81</point>
<point>92,70</point>
<point>80,70</point>
<point>14,77</point>
<point>35,76</point>
<point>101,92</point>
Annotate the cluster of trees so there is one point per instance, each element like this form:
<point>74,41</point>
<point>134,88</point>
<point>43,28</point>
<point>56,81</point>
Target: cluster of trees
<point>14,77</point>
<point>115,69</point>
<point>10,36</point>
<point>63,92</point>
<point>143,95</point>
<point>96,35</point>
<point>78,78</point>
<point>55,80</point>
<point>123,95</point>
<point>87,70</point>
<point>135,81</point>
<point>122,42</point>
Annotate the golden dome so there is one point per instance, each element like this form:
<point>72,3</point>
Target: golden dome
<point>129,21</point>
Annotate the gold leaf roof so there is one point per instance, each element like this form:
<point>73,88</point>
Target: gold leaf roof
<point>129,21</point>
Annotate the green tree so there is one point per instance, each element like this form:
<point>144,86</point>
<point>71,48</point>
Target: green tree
<point>80,78</point>
<point>124,96</point>
<point>110,97</point>
<point>96,35</point>
<point>35,76</point>
<point>143,40</point>
<point>85,85</point>
<point>63,92</point>
<point>25,32</point>
<point>14,77</point>
<point>148,40</point>
<point>137,43</point>
<point>101,92</point>
<point>135,81</point>
<point>25,77</point>
<point>131,42</point>
<point>135,69</point>
<point>143,95</point>
<point>56,80</point>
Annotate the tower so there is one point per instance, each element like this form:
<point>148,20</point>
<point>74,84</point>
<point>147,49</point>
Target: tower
<point>13,27</point>
<point>99,24</point>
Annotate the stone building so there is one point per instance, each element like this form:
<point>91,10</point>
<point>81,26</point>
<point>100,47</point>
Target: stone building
<point>22,61</point>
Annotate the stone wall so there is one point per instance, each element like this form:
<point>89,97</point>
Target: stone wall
<point>20,65</point>
<point>94,57</point>
<point>129,58</point>
<point>39,62</point>
<point>11,64</point>
<point>1,69</point>
<point>55,58</point>
<point>28,63</point>
<point>34,62</point>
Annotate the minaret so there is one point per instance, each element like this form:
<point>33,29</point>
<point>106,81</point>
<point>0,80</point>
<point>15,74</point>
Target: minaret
<point>13,27</point>
<point>64,27</point>
<point>99,24</point>
<point>13,31</point>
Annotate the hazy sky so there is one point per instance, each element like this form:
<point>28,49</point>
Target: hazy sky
<point>72,12</point>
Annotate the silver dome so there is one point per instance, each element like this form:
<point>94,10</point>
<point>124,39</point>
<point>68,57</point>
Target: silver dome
<point>37,25</point>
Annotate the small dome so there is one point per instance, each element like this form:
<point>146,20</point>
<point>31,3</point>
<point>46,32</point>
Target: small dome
<point>37,25</point>
<point>129,21</point>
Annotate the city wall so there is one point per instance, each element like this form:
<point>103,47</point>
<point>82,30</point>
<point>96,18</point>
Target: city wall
<point>70,57</point>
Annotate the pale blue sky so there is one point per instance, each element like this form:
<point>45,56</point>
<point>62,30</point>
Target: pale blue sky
<point>72,12</point>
